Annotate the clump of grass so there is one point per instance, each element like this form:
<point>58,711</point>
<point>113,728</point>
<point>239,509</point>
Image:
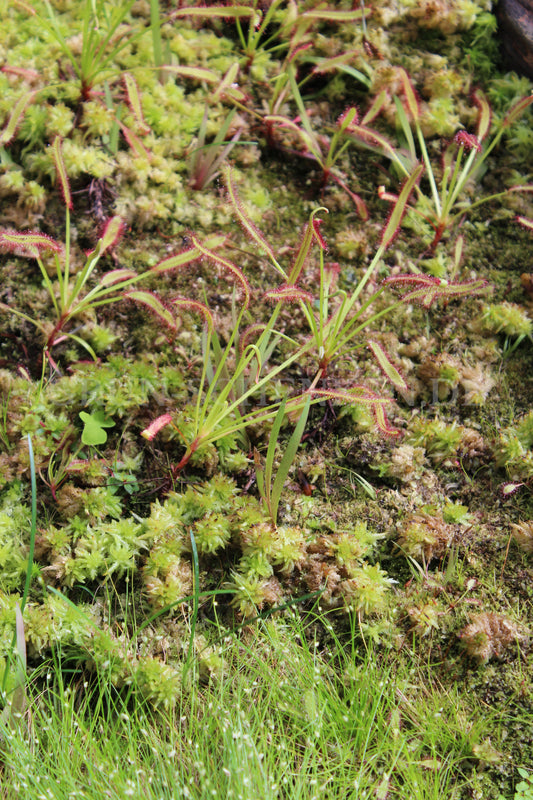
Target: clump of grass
<point>288,711</point>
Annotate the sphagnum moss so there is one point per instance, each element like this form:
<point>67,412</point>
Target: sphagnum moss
<point>117,518</point>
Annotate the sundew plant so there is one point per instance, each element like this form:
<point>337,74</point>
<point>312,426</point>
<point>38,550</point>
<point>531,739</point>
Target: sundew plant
<point>233,376</point>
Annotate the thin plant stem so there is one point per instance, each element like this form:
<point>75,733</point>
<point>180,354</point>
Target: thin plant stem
<point>33,528</point>
<point>196,602</point>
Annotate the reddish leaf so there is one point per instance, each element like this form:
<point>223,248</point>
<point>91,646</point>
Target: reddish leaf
<point>16,116</point>
<point>33,241</point>
<point>387,366</point>
<point>227,266</point>
<point>395,217</point>
<point>194,305</point>
<point>134,101</point>
<point>485,114</point>
<point>154,304</point>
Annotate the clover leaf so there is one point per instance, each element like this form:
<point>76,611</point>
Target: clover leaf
<point>93,427</point>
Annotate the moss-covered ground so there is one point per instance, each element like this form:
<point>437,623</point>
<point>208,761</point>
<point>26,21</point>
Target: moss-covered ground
<point>158,578</point>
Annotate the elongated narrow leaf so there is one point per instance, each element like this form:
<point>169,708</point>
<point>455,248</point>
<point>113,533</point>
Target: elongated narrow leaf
<point>134,102</point>
<point>16,116</point>
<point>25,7</point>
<point>33,241</point>
<point>28,74</point>
<point>226,266</point>
<point>285,122</point>
<point>228,86</point>
<point>361,395</point>
<point>403,119</point>
<point>134,142</point>
<point>288,293</point>
<point>428,289</point>
<point>332,64</point>
<point>526,187</point>
<point>59,163</point>
<point>302,255</point>
<point>112,232</point>
<point>332,15</point>
<point>188,255</point>
<point>516,111</point>
<point>226,12</point>
<point>154,304</point>
<point>383,194</point>
<point>250,333</point>
<point>116,276</point>
<point>464,289</point>
<point>485,114</point>
<point>271,454</point>
<point>371,138</point>
<point>260,476</point>
<point>243,218</point>
<point>395,219</point>
<point>288,458</point>
<point>349,117</point>
<point>376,107</point>
<point>411,279</point>
<point>383,423</point>
<point>154,427</point>
<point>21,642</point>
<point>356,394</point>
<point>176,261</point>
<point>194,305</point>
<point>410,96</point>
<point>14,710</point>
<point>527,223</point>
<point>458,253</point>
<point>358,201</point>
<point>387,366</point>
<point>355,73</point>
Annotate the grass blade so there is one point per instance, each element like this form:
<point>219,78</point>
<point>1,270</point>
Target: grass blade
<point>288,458</point>
<point>33,528</point>
<point>196,602</point>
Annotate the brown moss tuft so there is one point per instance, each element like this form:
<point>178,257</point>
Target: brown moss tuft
<point>424,536</point>
<point>489,636</point>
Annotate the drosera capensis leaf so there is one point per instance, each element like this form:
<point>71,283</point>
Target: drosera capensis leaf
<point>395,219</point>
<point>364,396</point>
<point>516,111</point>
<point>134,102</point>
<point>33,241</point>
<point>214,11</point>
<point>335,15</point>
<point>244,219</point>
<point>485,114</point>
<point>61,171</point>
<point>195,305</point>
<point>525,221</point>
<point>387,366</point>
<point>187,256</point>
<point>15,118</point>
<point>112,232</point>
<point>410,96</point>
<point>226,266</point>
<point>154,304</point>
<point>288,293</point>
<point>156,425</point>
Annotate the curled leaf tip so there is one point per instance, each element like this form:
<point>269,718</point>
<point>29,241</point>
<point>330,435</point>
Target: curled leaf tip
<point>316,223</point>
